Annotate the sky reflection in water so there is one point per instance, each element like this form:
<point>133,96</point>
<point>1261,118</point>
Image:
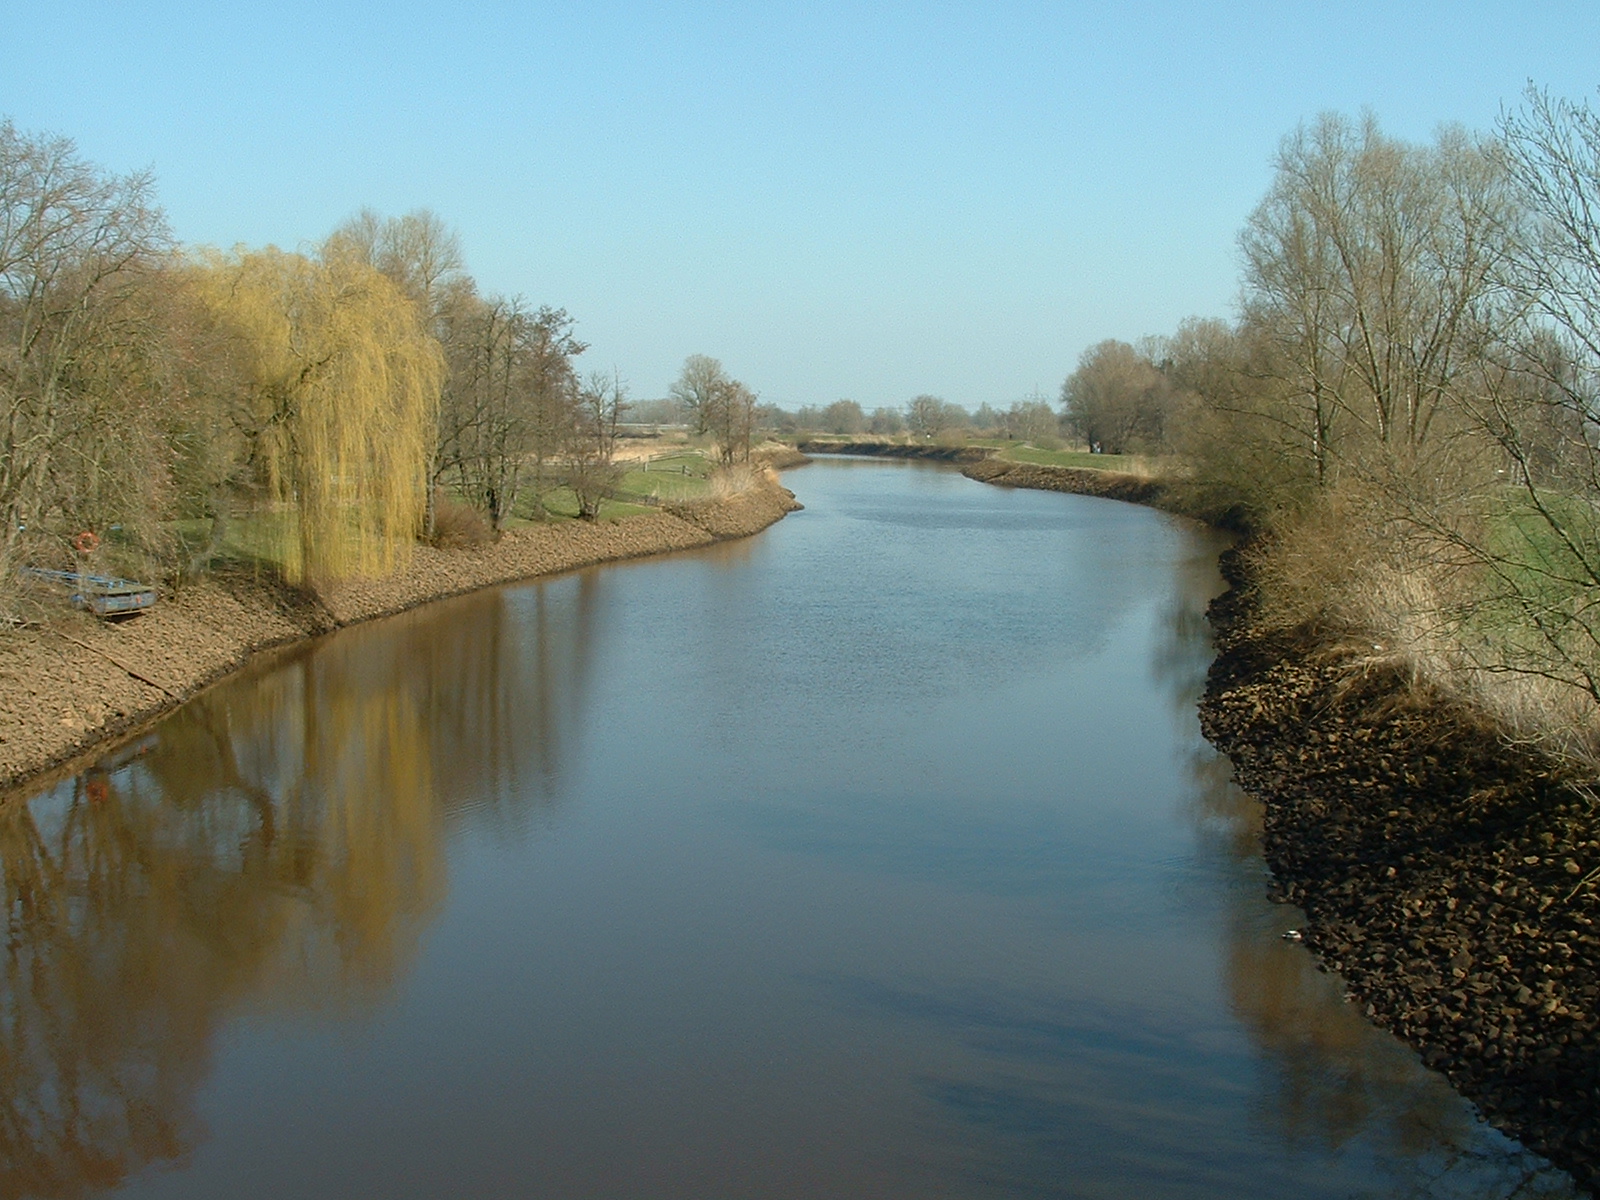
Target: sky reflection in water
<point>878,855</point>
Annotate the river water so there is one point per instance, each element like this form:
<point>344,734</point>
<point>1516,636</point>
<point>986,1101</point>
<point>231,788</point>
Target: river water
<point>876,856</point>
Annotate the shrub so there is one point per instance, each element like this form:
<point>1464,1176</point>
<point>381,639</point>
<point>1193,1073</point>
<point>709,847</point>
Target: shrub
<point>457,526</point>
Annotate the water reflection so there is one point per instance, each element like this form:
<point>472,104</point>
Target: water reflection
<point>278,842</point>
<point>956,905</point>
<point>1329,1080</point>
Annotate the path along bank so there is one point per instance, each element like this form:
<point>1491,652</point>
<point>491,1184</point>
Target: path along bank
<point>68,689</point>
<point>1451,879</point>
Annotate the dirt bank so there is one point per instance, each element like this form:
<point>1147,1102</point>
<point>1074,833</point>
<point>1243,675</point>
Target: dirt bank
<point>955,454</point>
<point>72,686</point>
<point>779,457</point>
<point>1450,879</point>
<point>1081,481</point>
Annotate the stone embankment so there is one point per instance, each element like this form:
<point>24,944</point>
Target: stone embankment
<point>1451,880</point>
<point>69,687</point>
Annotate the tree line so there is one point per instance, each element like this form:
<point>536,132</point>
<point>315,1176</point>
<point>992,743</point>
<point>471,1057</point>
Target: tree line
<point>1406,403</point>
<point>343,399</point>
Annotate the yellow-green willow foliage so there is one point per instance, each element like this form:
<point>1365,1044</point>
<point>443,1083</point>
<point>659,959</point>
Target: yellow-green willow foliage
<point>339,407</point>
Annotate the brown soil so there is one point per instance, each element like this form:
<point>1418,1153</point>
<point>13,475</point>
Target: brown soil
<point>69,687</point>
<point>1450,879</point>
<point>1082,481</point>
<point>779,457</point>
<point>956,454</point>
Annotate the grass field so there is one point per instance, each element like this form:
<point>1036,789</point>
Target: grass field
<point>254,537</point>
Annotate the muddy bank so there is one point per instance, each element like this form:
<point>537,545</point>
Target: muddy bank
<point>955,454</point>
<point>1081,481</point>
<point>1450,879</point>
<point>68,688</point>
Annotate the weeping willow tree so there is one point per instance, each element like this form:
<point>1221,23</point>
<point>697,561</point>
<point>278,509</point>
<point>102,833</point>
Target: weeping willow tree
<point>338,406</point>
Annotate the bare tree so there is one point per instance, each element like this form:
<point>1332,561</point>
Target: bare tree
<point>1029,420</point>
<point>510,400</point>
<point>591,472</point>
<point>418,251</point>
<point>1371,267</point>
<point>926,415</point>
<point>888,421</point>
<point>698,388</point>
<point>1533,611</point>
<point>77,245</point>
<point>718,405</point>
<point>843,416</point>
<point>731,420</point>
<point>1116,400</point>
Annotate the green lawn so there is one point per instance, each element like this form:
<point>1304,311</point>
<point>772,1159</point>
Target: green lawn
<point>562,504</point>
<point>255,537</point>
<point>678,477</point>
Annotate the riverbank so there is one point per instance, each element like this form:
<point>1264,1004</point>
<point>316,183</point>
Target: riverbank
<point>1447,876</point>
<point>78,683</point>
<point>1081,481</point>
<point>1451,879</point>
<point>875,449</point>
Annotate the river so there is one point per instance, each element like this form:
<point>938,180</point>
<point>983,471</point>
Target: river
<point>876,856</point>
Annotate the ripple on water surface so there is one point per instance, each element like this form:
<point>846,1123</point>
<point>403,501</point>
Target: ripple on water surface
<point>878,855</point>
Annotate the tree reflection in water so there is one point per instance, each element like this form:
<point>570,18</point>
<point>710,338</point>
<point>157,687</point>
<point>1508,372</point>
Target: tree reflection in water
<point>279,840</point>
<point>1329,1080</point>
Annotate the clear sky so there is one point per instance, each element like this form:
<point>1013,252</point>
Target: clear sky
<point>837,200</point>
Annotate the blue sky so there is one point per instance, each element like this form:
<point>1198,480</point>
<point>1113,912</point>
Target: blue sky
<point>836,200</point>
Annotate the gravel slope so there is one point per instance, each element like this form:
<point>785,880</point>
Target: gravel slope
<point>72,686</point>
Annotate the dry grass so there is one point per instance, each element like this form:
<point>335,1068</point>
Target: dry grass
<point>734,480</point>
<point>1391,594</point>
<point>457,526</point>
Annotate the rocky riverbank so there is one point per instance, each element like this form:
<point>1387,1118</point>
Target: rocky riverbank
<point>70,687</point>
<point>1451,880</point>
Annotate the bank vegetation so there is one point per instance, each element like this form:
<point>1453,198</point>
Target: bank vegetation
<point>1404,407</point>
<point>319,412</point>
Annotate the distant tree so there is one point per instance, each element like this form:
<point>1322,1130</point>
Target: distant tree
<point>1116,400</point>
<point>731,420</point>
<point>887,421</point>
<point>778,420</point>
<point>698,389</point>
<point>1029,420</point>
<point>843,416</point>
<point>987,418</point>
<point>665,411</point>
<point>719,405</point>
<point>926,415</point>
